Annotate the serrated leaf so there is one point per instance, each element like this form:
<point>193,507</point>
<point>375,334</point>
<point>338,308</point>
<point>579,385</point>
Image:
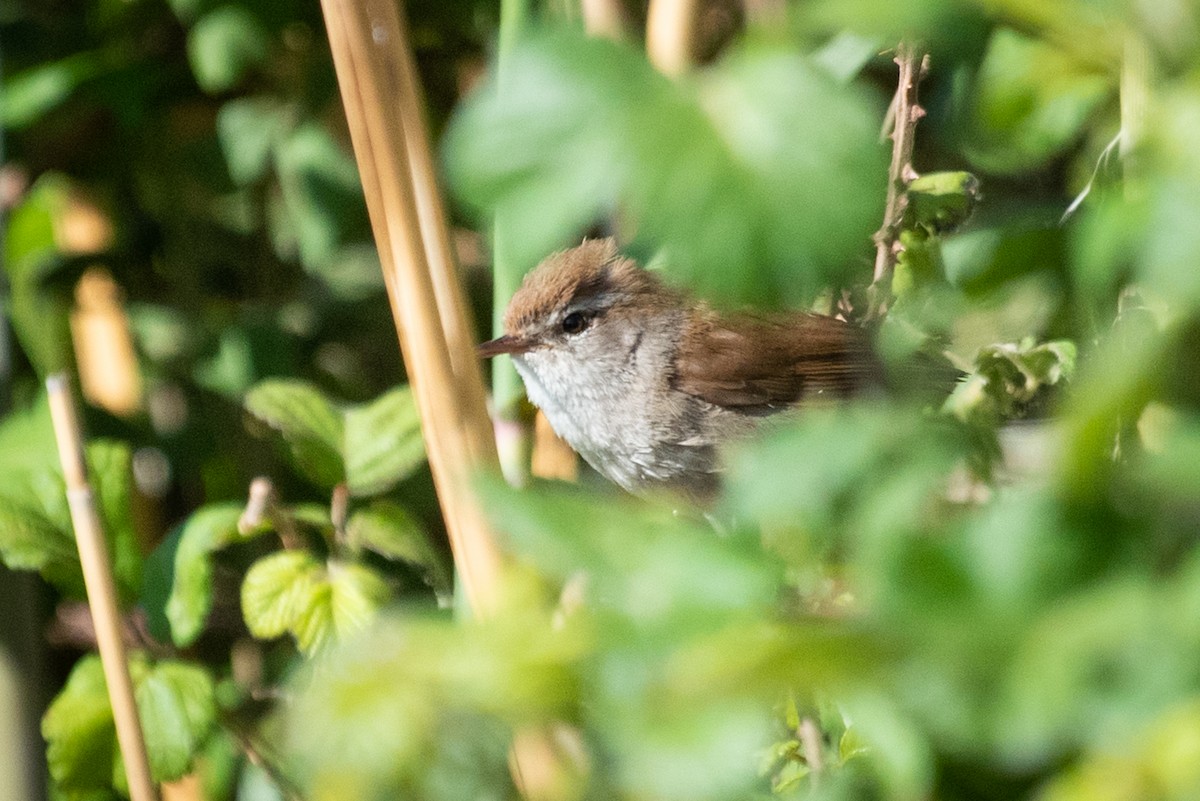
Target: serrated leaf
<point>79,731</point>
<point>389,530</point>
<point>224,45</point>
<point>177,709</point>
<point>313,627</point>
<point>357,594</point>
<point>208,529</point>
<point>309,422</point>
<point>28,541</point>
<point>383,442</point>
<point>278,590</point>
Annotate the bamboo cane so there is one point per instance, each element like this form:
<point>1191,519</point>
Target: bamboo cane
<point>101,588</point>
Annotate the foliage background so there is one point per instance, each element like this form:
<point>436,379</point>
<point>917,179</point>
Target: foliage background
<point>889,610</point>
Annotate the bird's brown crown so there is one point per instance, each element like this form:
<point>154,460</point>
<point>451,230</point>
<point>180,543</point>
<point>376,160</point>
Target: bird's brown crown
<point>569,276</point>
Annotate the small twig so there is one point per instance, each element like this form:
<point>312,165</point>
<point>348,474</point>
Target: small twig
<point>262,507</point>
<point>810,738</point>
<point>913,65</point>
<point>101,588</point>
<point>339,510</point>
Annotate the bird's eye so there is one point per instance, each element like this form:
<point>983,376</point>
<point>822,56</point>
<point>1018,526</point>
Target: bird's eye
<point>573,323</point>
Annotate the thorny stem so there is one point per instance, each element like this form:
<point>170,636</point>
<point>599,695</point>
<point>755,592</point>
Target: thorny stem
<point>904,113</point>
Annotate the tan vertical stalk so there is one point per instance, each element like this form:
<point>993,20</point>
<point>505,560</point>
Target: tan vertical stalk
<point>671,34</point>
<point>377,78</point>
<point>603,18</point>
<point>101,589</point>
<point>369,54</point>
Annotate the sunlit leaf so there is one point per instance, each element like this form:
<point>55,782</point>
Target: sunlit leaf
<point>207,530</point>
<point>177,709</point>
<point>310,424</point>
<point>279,590</point>
<point>383,443</point>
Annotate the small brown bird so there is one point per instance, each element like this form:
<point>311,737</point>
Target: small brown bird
<point>648,385</point>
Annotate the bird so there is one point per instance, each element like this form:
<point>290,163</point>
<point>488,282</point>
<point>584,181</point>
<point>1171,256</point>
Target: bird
<point>650,385</point>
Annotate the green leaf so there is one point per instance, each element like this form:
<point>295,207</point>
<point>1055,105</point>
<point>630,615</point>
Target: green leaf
<point>177,709</point>
<point>248,129</point>
<point>712,167</point>
<point>383,443</point>
<point>224,45</point>
<point>291,592</point>
<point>941,201</point>
<point>357,593</point>
<point>30,94</point>
<point>322,197</point>
<point>309,422</point>
<point>39,316</point>
<point>28,541</point>
<point>109,471</point>
<point>208,529</point>
<point>1032,99</point>
<point>79,731</point>
<point>389,530</point>
<point>371,446</point>
<point>278,592</point>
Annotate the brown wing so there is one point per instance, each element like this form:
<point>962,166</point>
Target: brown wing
<point>759,364</point>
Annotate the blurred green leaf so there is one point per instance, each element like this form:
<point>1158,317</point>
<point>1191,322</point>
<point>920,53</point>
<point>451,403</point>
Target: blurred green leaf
<point>35,525</point>
<point>1030,102</point>
<point>941,201</point>
<point>712,168</point>
<point>79,731</point>
<point>389,530</point>
<point>32,93</point>
<point>248,129</point>
<point>109,472</point>
<point>322,198</point>
<point>383,442</point>
<point>224,46</point>
<point>177,709</point>
<point>208,529</point>
<point>291,592</point>
<point>278,590</point>
<point>356,594</point>
<point>38,314</point>
<point>370,446</point>
<point>175,704</point>
<point>309,422</point>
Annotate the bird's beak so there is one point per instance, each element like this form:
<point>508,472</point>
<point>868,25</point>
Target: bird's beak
<point>511,345</point>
